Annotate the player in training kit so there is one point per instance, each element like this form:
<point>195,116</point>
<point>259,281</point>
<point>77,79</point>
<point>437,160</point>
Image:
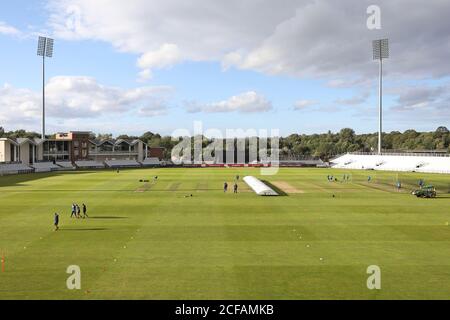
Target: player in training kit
<point>85,211</point>
<point>74,211</point>
<point>56,222</point>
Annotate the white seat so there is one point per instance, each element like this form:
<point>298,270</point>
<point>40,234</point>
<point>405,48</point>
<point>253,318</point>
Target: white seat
<point>45,166</point>
<point>122,163</point>
<point>151,162</point>
<point>14,168</point>
<point>86,164</point>
<point>66,165</point>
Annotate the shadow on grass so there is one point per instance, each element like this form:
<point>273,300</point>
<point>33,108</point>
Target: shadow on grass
<point>86,229</point>
<point>280,192</point>
<point>24,179</point>
<point>442,197</point>
<point>67,190</point>
<point>107,218</point>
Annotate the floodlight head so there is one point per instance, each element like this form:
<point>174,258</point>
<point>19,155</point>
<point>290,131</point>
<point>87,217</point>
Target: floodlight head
<point>380,49</point>
<point>41,46</point>
<point>49,48</point>
<point>45,47</point>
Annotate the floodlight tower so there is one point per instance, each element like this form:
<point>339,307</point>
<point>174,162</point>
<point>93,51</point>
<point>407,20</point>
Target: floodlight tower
<point>380,52</point>
<point>45,49</point>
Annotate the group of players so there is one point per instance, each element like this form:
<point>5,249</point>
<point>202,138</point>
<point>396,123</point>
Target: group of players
<point>347,177</point>
<point>235,187</point>
<point>332,178</point>
<point>76,213</point>
<point>76,210</point>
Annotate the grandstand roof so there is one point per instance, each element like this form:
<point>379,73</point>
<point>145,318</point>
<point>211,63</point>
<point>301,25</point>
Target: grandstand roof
<point>39,140</point>
<point>25,140</point>
<point>13,141</point>
<point>115,141</point>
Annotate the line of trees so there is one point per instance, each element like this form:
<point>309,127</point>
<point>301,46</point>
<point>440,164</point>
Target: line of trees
<point>324,145</point>
<point>330,144</point>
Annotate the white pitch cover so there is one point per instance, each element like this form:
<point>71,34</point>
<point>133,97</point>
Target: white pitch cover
<point>259,187</point>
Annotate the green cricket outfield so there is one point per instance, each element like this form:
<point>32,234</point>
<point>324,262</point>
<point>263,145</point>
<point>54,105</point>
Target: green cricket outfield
<point>154,241</point>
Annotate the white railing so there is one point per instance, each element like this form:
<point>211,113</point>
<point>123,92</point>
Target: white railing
<point>412,154</point>
<point>108,153</point>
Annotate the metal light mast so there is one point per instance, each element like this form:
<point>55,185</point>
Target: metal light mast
<point>45,49</point>
<point>380,52</point>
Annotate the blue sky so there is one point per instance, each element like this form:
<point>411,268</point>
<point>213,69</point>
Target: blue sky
<point>158,66</point>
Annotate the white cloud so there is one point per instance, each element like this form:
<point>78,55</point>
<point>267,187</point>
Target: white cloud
<point>79,98</point>
<point>301,37</point>
<point>18,107</point>
<point>419,106</point>
<point>425,98</point>
<point>355,100</point>
<point>303,104</point>
<point>247,102</point>
<point>158,108</point>
<point>145,75</point>
<point>166,56</point>
<point>6,29</point>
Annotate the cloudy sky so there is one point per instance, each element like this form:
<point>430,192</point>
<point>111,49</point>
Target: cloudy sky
<point>300,66</point>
